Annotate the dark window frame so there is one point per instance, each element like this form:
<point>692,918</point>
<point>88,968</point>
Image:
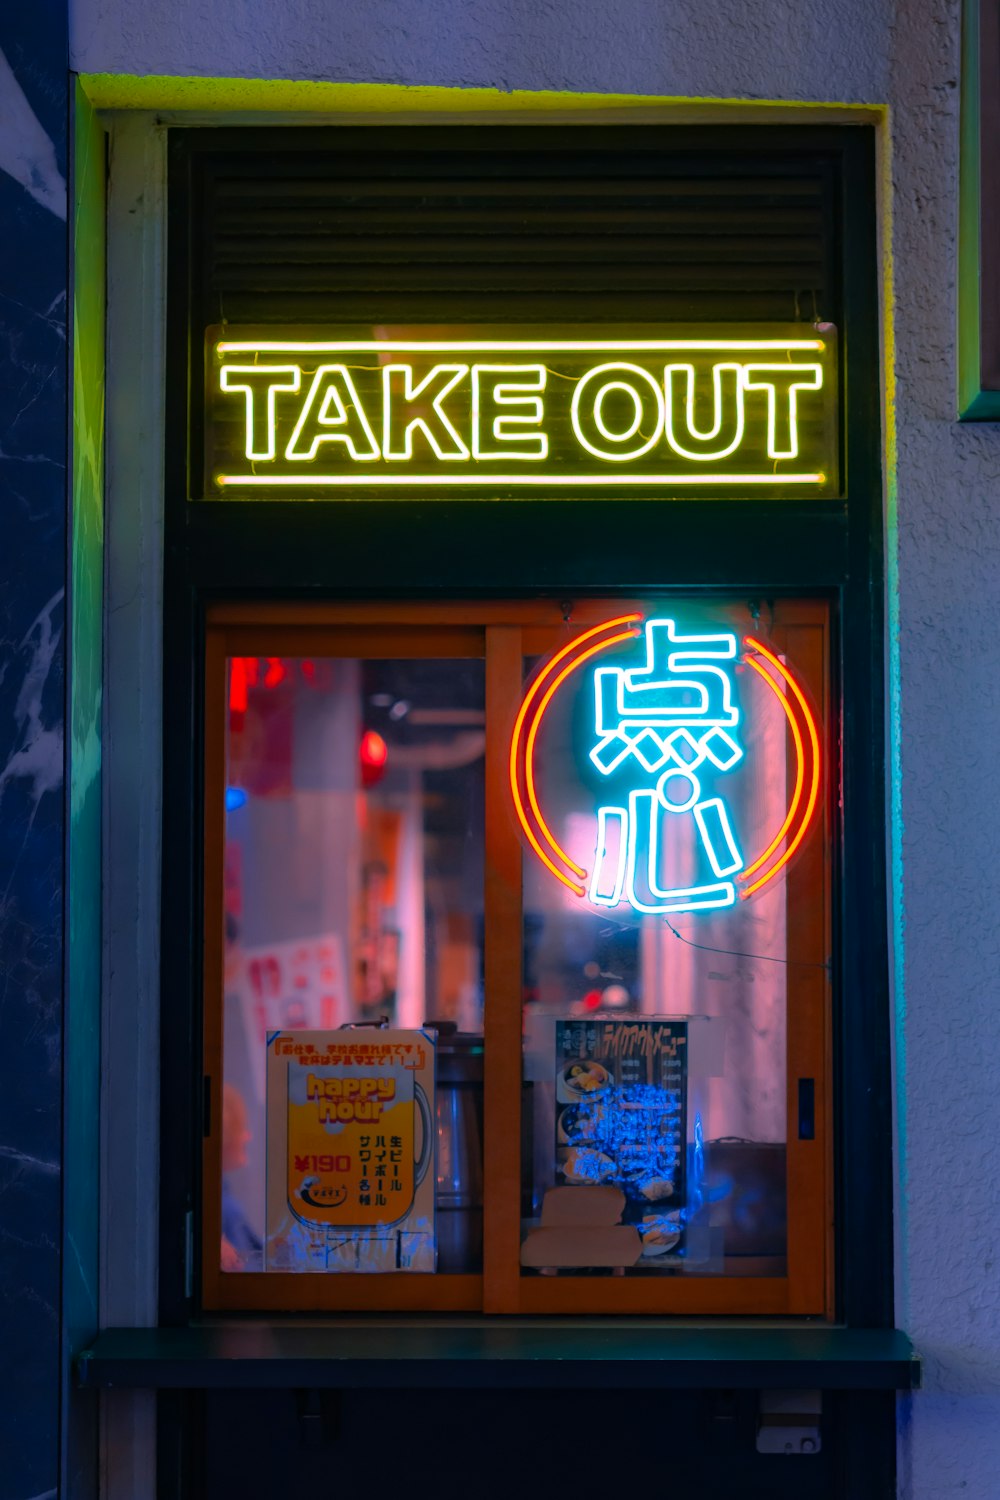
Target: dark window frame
<point>979,215</point>
<point>290,549</point>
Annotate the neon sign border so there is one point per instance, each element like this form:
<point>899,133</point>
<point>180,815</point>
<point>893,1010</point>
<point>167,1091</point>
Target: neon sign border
<point>485,346</point>
<point>609,479</point>
<point>436,480</point>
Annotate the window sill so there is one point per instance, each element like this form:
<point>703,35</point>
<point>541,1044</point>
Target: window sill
<point>567,1353</point>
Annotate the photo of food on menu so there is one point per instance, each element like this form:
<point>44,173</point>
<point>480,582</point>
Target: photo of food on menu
<point>621,1108</point>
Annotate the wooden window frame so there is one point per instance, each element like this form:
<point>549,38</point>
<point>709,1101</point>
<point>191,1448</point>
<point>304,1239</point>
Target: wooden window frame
<point>503,633</point>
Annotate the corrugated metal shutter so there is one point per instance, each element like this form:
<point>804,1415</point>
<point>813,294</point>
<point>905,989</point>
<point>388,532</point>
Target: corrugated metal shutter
<point>352,229</point>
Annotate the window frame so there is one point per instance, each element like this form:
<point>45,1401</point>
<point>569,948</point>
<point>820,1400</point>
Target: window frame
<point>504,634</point>
<point>978,367</point>
<point>262,552</point>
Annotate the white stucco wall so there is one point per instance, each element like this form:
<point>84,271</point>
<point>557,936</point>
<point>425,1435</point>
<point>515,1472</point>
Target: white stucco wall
<point>771,49</point>
<point>948,489</point>
<point>946,477</point>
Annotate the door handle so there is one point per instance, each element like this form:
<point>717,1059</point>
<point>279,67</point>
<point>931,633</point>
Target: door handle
<point>807,1109</point>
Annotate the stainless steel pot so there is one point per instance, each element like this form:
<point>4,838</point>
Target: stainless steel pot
<point>458,1107</point>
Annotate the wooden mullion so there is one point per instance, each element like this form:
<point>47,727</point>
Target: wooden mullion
<point>347,1292</point>
<point>436,615</point>
<point>829,1122</point>
<point>367,642</point>
<point>808,1017</point>
<point>667,1296</point>
<point>213,962</point>
<point>503,974</point>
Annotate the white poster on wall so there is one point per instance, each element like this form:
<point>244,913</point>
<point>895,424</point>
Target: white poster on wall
<point>296,986</point>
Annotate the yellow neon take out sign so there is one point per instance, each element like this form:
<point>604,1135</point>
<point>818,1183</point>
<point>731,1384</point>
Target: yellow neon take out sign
<point>521,411</point>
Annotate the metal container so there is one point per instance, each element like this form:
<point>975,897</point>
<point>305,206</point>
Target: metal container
<point>745,1189</point>
<point>458,1107</point>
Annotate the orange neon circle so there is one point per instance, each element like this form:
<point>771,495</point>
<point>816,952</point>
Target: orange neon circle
<point>800,772</point>
<point>515,745</point>
<point>813,796</point>
<point>571,666</point>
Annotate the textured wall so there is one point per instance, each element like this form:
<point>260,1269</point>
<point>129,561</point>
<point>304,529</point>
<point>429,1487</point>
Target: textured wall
<point>944,497</point>
<point>948,503</point>
<point>33,384</point>
<point>757,49</point>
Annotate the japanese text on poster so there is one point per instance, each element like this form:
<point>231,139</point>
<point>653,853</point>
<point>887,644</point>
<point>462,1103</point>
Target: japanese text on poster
<point>350,1151</point>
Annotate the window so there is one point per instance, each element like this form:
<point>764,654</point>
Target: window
<point>350,671</point>
<point>446,1075</point>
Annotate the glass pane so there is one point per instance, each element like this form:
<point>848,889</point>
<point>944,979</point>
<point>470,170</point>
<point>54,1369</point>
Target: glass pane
<point>352,1101</point>
<point>656,992</point>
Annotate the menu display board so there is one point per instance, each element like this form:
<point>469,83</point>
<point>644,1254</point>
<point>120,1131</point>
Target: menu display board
<point>350,1151</point>
<point>621,1115</point>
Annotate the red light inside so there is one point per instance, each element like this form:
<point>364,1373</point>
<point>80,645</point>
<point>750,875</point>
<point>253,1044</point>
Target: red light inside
<point>374,754</point>
<point>374,751</point>
<point>238,685</point>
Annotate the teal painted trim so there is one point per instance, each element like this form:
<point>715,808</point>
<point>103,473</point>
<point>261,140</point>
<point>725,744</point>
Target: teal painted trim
<point>893,741</point>
<point>897,880</point>
<point>81,1154</point>
<point>974,404</point>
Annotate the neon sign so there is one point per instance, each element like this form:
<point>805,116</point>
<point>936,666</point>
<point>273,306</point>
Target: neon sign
<point>663,734</point>
<point>753,409</point>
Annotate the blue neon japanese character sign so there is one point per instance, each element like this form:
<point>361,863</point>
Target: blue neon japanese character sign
<point>662,734</point>
<point>670,725</point>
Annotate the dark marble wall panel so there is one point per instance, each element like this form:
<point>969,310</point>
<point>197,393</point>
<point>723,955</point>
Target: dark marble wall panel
<point>33,446</point>
<point>82,1029</point>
